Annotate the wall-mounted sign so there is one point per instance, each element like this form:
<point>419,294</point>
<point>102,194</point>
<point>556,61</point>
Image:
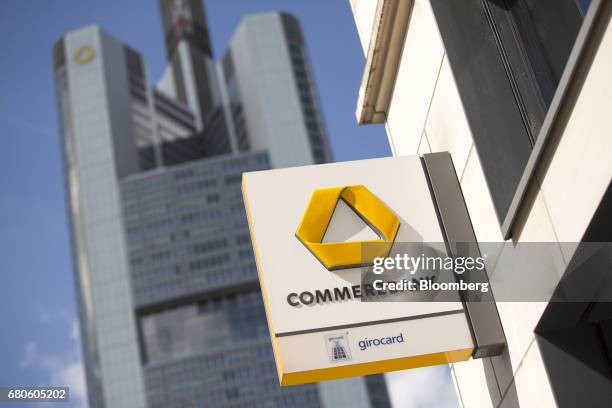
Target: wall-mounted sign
<point>84,54</point>
<point>311,279</point>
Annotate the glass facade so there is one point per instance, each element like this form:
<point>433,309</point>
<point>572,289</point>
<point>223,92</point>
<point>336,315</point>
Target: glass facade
<point>203,333</point>
<point>227,320</point>
<point>235,102</point>
<point>186,228</point>
<point>304,82</point>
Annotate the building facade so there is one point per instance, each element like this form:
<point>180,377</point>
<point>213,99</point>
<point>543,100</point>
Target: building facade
<point>168,298</point>
<point>517,92</point>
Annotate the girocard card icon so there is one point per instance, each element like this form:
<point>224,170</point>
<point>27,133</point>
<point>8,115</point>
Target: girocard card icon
<point>337,347</point>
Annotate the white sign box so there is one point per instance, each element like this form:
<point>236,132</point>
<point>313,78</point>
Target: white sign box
<point>320,328</point>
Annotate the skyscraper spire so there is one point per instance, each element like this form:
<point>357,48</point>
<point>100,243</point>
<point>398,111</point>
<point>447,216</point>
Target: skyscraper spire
<point>189,53</point>
<point>185,19</point>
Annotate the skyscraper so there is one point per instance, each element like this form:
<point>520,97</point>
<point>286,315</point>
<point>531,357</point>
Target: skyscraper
<point>272,90</point>
<point>169,303</point>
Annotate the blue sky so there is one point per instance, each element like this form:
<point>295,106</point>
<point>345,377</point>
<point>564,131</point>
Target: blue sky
<point>39,337</point>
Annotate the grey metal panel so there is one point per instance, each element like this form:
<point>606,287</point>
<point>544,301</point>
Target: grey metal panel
<point>573,75</point>
<point>481,310</point>
<point>500,134</point>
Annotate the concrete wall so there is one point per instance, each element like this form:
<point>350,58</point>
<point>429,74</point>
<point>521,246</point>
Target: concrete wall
<point>426,115</point>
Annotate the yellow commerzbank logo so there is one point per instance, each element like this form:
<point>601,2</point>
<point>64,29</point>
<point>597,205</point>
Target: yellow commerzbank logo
<point>341,255</point>
<point>83,54</point>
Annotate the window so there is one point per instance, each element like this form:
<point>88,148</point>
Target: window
<point>507,57</point>
<point>232,394</point>
<point>195,328</point>
<point>233,178</point>
<point>535,38</point>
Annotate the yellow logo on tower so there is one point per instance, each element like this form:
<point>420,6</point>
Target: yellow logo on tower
<point>342,255</point>
<point>83,54</point>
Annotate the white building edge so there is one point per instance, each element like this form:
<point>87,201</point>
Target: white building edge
<point>409,85</point>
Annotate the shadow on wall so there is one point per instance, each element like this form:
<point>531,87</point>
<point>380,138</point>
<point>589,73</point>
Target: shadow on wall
<point>575,337</point>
